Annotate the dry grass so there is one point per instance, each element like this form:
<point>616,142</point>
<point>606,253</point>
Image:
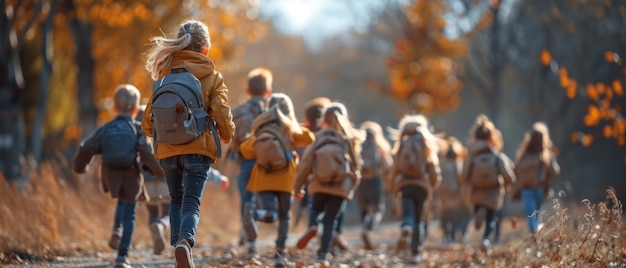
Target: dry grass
<point>50,217</point>
<point>594,239</point>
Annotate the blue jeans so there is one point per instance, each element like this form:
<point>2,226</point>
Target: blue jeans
<point>277,206</point>
<point>245,169</point>
<point>125,223</point>
<point>532,199</point>
<point>413,208</point>
<point>186,177</point>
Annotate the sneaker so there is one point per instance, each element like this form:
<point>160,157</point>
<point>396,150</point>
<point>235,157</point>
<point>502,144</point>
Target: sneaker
<point>480,217</point>
<point>308,235</point>
<point>404,239</point>
<point>415,259</point>
<point>182,253</point>
<point>122,262</point>
<point>340,242</point>
<point>321,262</point>
<point>280,260</point>
<point>158,237</point>
<point>114,242</point>
<point>485,245</point>
<point>252,254</point>
<point>250,226</point>
<point>367,242</point>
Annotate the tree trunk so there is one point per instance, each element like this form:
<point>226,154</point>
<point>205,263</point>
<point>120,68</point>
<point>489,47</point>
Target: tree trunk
<point>87,114</point>
<point>12,131</point>
<point>497,57</point>
<point>44,88</point>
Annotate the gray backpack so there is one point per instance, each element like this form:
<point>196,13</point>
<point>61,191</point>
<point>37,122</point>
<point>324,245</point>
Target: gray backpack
<point>178,112</point>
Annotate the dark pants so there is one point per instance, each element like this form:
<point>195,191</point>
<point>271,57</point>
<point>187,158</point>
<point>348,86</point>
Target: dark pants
<point>369,199</point>
<point>413,208</point>
<point>186,177</point>
<point>490,222</point>
<point>330,206</point>
<point>277,206</point>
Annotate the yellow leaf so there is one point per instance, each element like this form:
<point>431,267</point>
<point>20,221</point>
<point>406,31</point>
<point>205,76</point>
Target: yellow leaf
<point>586,140</point>
<point>617,88</point>
<point>571,92</point>
<point>607,131</point>
<point>545,57</point>
<point>609,56</point>
<point>591,92</point>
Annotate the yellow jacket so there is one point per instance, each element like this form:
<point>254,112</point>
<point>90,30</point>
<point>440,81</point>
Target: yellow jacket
<point>282,180</point>
<point>215,101</point>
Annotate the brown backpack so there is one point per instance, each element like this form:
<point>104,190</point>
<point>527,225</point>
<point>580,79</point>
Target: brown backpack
<point>243,116</point>
<point>483,170</point>
<point>410,160</point>
<point>332,159</point>
<point>530,171</point>
<point>272,147</point>
<point>372,159</point>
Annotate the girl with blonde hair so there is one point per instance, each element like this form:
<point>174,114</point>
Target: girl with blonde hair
<point>186,165</point>
<point>376,154</point>
<point>274,189</point>
<point>329,197</point>
<point>414,175</point>
<point>535,168</point>
<point>488,173</point>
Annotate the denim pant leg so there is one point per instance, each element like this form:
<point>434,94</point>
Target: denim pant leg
<point>117,220</point>
<point>128,221</point>
<point>284,217</point>
<point>186,177</point>
<point>490,222</point>
<point>408,212</point>
<point>532,199</point>
<point>245,169</point>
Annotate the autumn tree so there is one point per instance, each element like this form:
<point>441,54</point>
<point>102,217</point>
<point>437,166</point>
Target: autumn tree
<point>423,68</point>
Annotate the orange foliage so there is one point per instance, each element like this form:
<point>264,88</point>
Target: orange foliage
<point>423,65</point>
<point>617,87</point>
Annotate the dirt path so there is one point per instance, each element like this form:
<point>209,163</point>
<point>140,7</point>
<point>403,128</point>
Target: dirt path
<point>436,254</point>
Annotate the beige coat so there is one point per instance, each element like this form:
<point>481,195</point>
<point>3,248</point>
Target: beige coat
<point>494,197</point>
<point>345,188</point>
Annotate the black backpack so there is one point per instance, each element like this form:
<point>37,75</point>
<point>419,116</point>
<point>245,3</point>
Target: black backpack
<point>119,142</point>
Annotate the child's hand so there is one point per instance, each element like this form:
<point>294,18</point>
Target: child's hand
<point>224,183</point>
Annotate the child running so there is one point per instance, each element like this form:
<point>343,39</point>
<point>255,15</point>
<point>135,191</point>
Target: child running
<point>273,136</point>
<point>119,142</point>
<point>376,154</point>
<point>414,175</point>
<point>334,161</point>
<point>186,164</point>
<point>488,173</point>
<point>535,168</point>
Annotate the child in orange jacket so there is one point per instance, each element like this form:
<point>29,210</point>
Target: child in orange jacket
<point>274,189</point>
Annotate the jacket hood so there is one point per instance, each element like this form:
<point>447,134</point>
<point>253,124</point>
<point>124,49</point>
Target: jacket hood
<point>478,146</point>
<point>199,65</point>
